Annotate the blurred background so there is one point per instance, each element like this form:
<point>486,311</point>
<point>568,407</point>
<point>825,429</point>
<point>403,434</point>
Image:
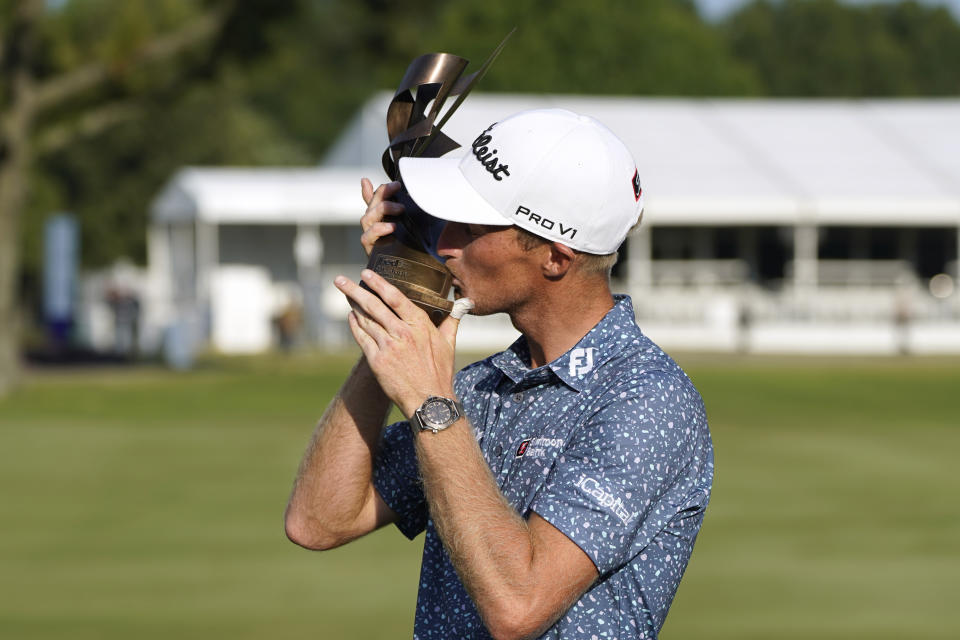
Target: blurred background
<point>179,184</point>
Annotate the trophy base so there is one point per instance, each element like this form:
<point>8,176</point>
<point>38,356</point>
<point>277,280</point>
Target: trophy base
<point>418,275</point>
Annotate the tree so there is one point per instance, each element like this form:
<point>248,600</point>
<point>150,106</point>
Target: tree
<point>616,47</point>
<point>825,48</point>
<point>84,67</point>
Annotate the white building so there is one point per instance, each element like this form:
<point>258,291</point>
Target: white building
<point>770,226</point>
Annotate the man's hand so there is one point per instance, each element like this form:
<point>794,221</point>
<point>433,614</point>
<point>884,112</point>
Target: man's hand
<point>410,357</point>
<point>378,206</point>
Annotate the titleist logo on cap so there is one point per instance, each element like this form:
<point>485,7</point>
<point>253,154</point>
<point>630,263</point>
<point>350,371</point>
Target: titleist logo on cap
<point>488,157</point>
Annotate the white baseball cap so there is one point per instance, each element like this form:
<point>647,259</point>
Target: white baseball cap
<point>555,173</point>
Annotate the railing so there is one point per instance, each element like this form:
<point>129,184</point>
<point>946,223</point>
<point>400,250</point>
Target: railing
<point>670,273</point>
<point>859,273</point>
<point>748,304</point>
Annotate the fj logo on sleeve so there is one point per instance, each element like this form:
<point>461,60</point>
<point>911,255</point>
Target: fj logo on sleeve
<point>581,361</point>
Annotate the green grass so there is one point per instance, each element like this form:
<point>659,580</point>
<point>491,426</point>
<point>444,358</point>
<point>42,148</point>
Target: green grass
<point>146,504</point>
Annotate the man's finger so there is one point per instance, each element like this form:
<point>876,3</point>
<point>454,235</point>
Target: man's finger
<point>366,189</point>
<point>393,297</point>
<point>372,328</point>
<point>370,304</point>
<point>384,192</point>
<point>451,324</point>
<point>367,344</point>
<point>448,329</point>
<point>378,230</point>
<point>376,213</point>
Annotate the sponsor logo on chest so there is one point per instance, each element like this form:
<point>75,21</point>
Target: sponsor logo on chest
<point>538,447</point>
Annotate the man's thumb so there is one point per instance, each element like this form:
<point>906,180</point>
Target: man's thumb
<point>448,328</point>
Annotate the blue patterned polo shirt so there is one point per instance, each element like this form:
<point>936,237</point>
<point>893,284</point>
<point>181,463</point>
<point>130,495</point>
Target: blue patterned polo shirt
<point>609,443</point>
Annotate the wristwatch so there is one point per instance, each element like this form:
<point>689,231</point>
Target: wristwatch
<point>437,413</point>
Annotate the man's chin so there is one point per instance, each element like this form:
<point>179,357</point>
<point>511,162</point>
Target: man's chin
<point>479,308</point>
<point>458,295</point>
<point>480,311</point>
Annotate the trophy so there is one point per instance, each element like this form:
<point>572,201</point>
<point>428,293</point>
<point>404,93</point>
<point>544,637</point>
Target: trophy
<point>408,258</point>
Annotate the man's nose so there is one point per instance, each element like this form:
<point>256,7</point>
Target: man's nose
<point>450,240</point>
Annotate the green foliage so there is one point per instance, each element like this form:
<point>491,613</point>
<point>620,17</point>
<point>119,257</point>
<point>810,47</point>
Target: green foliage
<point>606,47</point>
<point>110,178</point>
<point>825,48</point>
<point>161,114</point>
<point>106,31</point>
<point>329,60</point>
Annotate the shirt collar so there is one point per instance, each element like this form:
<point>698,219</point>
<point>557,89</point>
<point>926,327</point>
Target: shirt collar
<point>575,367</point>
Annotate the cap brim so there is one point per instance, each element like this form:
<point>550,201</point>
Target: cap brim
<point>439,188</point>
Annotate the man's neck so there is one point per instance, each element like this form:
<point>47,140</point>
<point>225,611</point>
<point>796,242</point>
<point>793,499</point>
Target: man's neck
<point>554,322</point>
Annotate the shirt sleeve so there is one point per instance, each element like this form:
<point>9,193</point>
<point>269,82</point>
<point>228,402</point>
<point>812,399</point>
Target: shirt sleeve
<point>396,477</point>
<point>622,475</point>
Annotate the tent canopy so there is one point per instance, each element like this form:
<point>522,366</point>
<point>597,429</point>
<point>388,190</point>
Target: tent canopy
<point>702,162</point>
<point>260,196</point>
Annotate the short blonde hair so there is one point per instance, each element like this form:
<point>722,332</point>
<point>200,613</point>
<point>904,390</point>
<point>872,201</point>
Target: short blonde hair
<point>589,262</point>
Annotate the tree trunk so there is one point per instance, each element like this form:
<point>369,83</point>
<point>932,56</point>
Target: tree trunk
<point>15,129</point>
<point>16,120</point>
<point>11,201</point>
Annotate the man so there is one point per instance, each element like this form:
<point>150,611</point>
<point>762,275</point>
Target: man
<point>562,482</point>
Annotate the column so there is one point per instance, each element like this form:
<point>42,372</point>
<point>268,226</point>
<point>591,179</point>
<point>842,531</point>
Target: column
<point>640,261</point>
<point>208,257</point>
<point>805,257</point>
<point>308,251</point>
<point>157,308</point>
<point>747,250</point>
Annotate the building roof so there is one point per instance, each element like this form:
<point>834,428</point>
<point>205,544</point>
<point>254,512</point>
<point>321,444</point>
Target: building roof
<point>701,161</point>
<point>259,196</point>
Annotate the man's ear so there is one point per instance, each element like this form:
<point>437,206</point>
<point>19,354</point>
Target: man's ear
<point>558,260</point>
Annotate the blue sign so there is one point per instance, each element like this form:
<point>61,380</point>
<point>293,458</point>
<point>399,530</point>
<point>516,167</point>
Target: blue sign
<point>61,252</point>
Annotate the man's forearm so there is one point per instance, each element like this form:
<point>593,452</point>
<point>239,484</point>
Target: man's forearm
<point>490,545</point>
<point>333,484</point>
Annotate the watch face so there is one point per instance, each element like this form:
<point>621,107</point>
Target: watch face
<point>437,412</point>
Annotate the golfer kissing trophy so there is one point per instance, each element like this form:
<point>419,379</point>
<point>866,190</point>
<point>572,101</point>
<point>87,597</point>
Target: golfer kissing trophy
<point>408,258</point>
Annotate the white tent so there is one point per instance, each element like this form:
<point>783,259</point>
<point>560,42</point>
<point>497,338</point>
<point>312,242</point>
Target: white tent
<point>259,196</point>
<point>770,161</point>
<point>798,165</point>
